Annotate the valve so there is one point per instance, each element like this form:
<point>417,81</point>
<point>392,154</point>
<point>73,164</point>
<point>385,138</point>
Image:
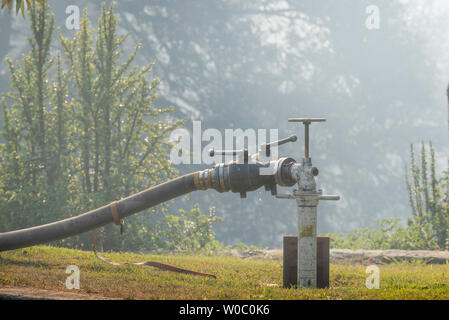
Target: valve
<point>304,172</point>
<point>243,156</point>
<point>248,172</point>
<point>306,122</point>
<point>307,198</point>
<point>266,147</point>
<point>251,172</point>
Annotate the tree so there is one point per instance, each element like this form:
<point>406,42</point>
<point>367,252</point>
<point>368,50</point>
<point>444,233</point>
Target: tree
<point>428,197</point>
<point>121,136</point>
<point>20,5</point>
<point>31,178</point>
<point>79,138</point>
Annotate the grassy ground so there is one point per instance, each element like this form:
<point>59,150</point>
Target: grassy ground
<point>44,267</point>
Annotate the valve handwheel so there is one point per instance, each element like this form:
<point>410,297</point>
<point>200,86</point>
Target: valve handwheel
<point>306,122</point>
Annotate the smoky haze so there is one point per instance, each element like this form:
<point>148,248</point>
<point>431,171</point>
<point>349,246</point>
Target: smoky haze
<point>254,64</point>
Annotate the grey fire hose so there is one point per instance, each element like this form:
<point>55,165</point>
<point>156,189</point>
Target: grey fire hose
<point>98,217</point>
<point>233,177</point>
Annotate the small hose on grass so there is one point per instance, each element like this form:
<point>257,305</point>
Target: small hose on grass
<point>155,264</point>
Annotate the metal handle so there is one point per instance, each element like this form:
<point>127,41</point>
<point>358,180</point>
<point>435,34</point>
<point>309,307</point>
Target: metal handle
<point>328,197</point>
<point>285,196</point>
<point>292,196</point>
<point>241,154</point>
<point>306,122</point>
<point>213,152</point>
<point>266,147</point>
<point>281,142</point>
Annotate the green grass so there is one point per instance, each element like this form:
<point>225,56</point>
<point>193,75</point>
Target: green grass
<point>44,267</point>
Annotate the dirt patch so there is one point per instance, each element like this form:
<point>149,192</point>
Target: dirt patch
<point>275,254</point>
<point>388,256</point>
<point>346,256</point>
<point>22,293</point>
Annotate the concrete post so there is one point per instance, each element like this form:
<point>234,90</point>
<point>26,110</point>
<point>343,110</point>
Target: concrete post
<point>307,249</point>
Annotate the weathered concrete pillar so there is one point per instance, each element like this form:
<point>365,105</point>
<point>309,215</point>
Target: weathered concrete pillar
<point>307,250</point>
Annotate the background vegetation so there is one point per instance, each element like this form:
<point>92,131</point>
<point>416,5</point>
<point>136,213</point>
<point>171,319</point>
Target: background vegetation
<point>428,226</point>
<point>81,130</point>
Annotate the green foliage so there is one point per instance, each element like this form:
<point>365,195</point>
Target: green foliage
<point>32,158</point>
<point>190,230</point>
<point>80,131</point>
<point>428,197</point>
<point>426,229</point>
<point>244,247</point>
<point>388,235</point>
<point>20,4</point>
